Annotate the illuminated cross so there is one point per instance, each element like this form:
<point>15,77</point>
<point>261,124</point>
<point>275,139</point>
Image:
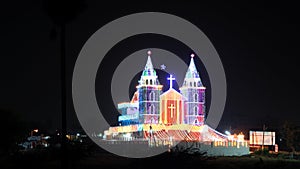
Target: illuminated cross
<point>172,107</point>
<point>171,78</point>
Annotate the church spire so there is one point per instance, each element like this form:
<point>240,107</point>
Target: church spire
<point>149,76</point>
<point>192,75</point>
<point>149,70</point>
<point>192,70</point>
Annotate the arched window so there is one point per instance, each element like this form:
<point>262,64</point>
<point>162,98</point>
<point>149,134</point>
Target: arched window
<point>196,110</point>
<point>151,82</point>
<point>196,97</point>
<point>191,84</point>
<point>195,85</point>
<point>152,96</point>
<point>199,84</point>
<point>151,109</point>
<point>152,120</point>
<point>147,82</point>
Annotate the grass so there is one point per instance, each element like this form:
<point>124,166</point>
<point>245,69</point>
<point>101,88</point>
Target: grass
<point>168,160</point>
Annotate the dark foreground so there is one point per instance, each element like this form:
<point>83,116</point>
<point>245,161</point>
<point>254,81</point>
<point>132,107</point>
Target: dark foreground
<point>45,160</point>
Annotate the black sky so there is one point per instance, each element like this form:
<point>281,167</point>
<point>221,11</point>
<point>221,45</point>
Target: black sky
<point>257,43</point>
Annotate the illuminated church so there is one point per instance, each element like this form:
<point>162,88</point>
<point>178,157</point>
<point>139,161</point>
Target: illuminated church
<point>168,118</point>
<point>150,105</point>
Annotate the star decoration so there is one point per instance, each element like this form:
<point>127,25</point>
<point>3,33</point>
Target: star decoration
<point>163,67</point>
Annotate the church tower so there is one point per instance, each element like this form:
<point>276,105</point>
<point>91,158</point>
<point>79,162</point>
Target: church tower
<point>149,91</point>
<point>194,91</point>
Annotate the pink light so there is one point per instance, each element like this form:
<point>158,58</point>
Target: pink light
<point>192,55</point>
<point>149,52</point>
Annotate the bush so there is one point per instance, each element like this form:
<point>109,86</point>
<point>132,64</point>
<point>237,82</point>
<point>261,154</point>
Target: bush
<point>262,152</point>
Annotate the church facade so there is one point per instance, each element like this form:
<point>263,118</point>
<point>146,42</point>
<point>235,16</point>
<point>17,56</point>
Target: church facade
<point>150,105</point>
<point>155,118</point>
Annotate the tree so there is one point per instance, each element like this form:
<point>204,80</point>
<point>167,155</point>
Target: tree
<point>13,131</point>
<point>289,133</point>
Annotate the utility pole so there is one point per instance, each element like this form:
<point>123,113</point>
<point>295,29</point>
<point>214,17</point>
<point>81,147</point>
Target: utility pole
<point>64,158</point>
<point>263,138</point>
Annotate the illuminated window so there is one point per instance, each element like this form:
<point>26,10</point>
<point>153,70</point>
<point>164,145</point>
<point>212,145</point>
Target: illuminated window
<point>152,120</point>
<point>195,97</point>
<point>151,109</point>
<point>152,96</point>
<point>199,84</point>
<point>195,110</point>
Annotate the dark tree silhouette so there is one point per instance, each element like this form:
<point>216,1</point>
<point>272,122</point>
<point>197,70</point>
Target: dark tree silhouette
<point>291,136</point>
<point>13,131</point>
<point>62,12</point>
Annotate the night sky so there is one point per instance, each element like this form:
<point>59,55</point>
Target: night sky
<point>257,43</point>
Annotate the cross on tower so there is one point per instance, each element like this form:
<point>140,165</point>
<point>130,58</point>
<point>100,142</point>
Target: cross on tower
<point>171,78</point>
<point>172,107</point>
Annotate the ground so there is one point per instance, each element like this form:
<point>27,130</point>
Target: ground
<point>181,161</point>
<point>166,160</point>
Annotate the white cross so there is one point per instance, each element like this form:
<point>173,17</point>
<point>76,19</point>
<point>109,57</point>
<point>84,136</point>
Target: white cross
<point>171,78</point>
<point>172,107</point>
